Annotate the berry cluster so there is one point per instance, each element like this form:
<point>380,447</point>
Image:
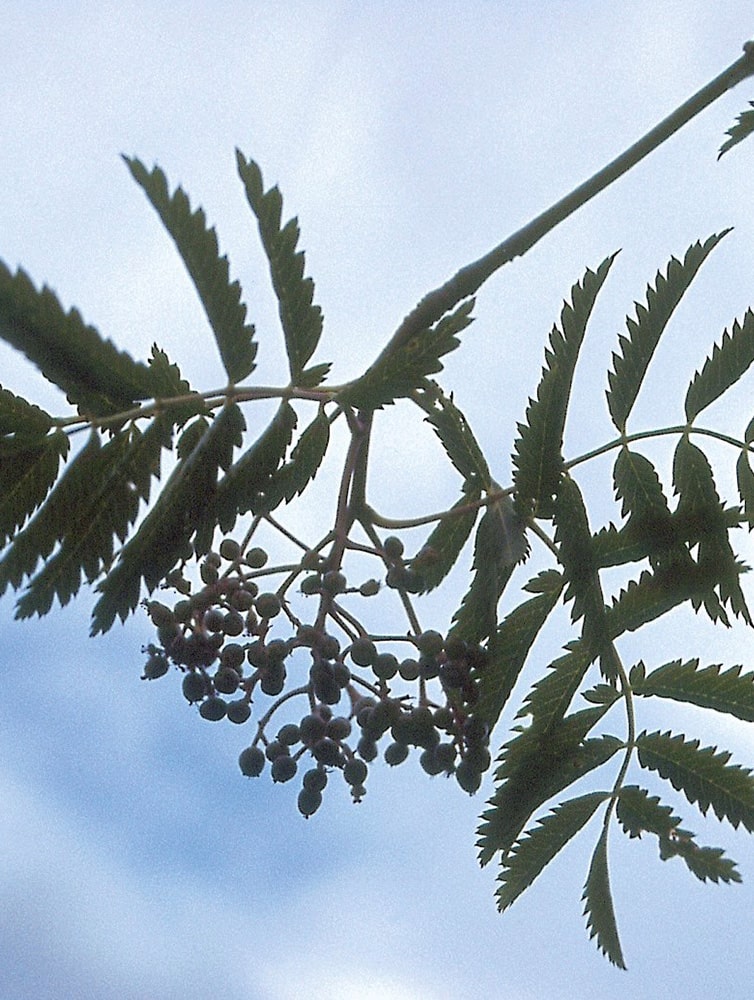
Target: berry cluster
<point>229,641</point>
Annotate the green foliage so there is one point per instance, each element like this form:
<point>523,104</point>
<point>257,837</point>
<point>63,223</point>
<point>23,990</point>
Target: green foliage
<point>300,319</point>
<point>644,332</point>
<point>743,126</point>
<point>237,635</point>
<point>197,246</point>
<point>538,457</point>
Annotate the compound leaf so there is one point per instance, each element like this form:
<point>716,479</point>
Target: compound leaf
<point>724,367</point>
<point>636,350</point>
<point>300,318</point>
<point>598,905</point>
<point>704,776</point>
<point>536,849</point>
<point>743,126</point>
<point>197,245</point>
<point>727,691</point>
<point>96,377</point>
<point>398,371</point>
<point>537,458</point>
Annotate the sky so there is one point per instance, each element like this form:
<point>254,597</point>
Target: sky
<point>135,861</point>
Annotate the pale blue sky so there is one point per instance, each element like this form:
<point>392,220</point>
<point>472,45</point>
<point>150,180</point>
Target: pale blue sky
<point>135,862</point>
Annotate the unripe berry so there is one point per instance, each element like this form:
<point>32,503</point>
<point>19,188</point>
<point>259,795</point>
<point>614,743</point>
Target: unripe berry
<point>239,711</point>
<point>232,655</point>
<point>334,582</point>
<point>251,761</point>
<point>230,549</point>
<point>385,666</point>
<point>267,605</point>
<point>396,753</point>
<point>233,623</point>
<point>226,680</point>
<point>355,771</point>
<point>194,687</point>
<point>289,734</point>
<point>309,801</point>
<point>213,709</point>
<point>468,777</point>
<point>339,728</point>
<point>430,642</point>
<point>316,779</point>
<point>369,588</point>
<point>363,652</point>
<point>326,751</point>
<point>283,768</point>
<point>311,729</point>
<point>256,558</point>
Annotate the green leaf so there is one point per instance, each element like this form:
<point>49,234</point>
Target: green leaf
<point>306,458</point>
<point>536,765</point>
<point>650,522</point>
<point>728,691</point>
<point>550,696</point>
<point>241,488</point>
<point>723,368</point>
<point>644,332</point>
<point>704,776</point>
<point>310,378</point>
<point>28,469</point>
<point>537,458</point>
<point>439,554</point>
<point>21,418</point>
<point>576,553</point>
<point>703,516</point>
<point>540,845</point>
<point>639,812</point>
<point>57,517</point>
<point>745,482</point>
<point>106,509</point>
<point>707,863</point>
<point>94,375</point>
<point>187,499</point>
<point>598,906</point>
<point>455,435</point>
<point>743,126</point>
<point>169,384</point>
<point>397,372</point>
<point>209,272</point>
<point>651,596</point>
<point>300,318</point>
<point>500,543</point>
<point>509,647</point>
